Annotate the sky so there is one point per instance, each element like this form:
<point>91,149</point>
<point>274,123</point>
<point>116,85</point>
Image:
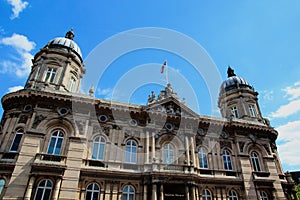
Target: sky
<point>199,39</point>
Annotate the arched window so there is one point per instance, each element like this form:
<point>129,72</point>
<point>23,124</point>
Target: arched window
<point>233,195</point>
<point>92,192</point>
<point>206,195</point>
<point>202,155</point>
<point>168,154</point>
<point>263,195</point>
<point>17,140</point>
<point>255,161</point>
<point>55,142</point>
<point>44,190</point>
<point>2,185</point>
<point>98,148</point>
<point>227,160</point>
<point>131,149</point>
<point>128,193</point>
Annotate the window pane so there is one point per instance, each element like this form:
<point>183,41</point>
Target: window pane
<point>95,150</point>
<point>2,184</point>
<point>47,194</point>
<point>39,194</point>
<point>58,146</point>
<point>16,142</point>
<point>88,195</point>
<point>51,145</point>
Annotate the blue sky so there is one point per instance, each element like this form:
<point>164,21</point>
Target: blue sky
<point>259,39</point>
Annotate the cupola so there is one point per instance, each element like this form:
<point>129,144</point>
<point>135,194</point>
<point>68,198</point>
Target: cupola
<point>57,66</point>
<point>238,99</point>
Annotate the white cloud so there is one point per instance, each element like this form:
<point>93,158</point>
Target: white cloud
<point>287,110</point>
<point>19,42</point>
<point>290,138</point>
<point>23,47</point>
<point>18,6</point>
<point>293,91</point>
<point>15,88</point>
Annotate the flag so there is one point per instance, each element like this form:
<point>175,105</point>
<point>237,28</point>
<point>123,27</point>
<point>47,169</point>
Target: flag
<point>163,67</point>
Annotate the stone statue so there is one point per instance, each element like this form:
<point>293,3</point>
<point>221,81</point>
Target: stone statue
<point>230,72</point>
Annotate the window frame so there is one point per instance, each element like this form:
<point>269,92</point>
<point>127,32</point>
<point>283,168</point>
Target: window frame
<point>255,161</point>
<point>56,138</point>
<point>206,194</point>
<point>233,195</point>
<point>44,188</point>
<point>263,195</point>
<point>71,84</point>
<point>234,111</point>
<point>168,153</point>
<point>128,192</point>
<point>202,157</point>
<point>131,155</point>
<point>18,132</point>
<point>227,161</point>
<point>50,75</point>
<point>252,110</point>
<point>100,143</point>
<point>92,191</point>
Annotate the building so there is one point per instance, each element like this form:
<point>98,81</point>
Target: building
<point>58,144</point>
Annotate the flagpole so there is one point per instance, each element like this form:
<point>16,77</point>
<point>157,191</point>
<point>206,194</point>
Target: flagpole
<point>167,72</point>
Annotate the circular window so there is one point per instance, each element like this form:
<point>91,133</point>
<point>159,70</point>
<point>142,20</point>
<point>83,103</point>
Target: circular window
<point>27,108</point>
<point>169,126</point>
<point>102,118</point>
<point>63,111</point>
<point>133,122</point>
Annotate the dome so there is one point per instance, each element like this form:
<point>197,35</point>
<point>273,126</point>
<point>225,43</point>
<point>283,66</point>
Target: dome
<point>233,82</point>
<point>66,44</point>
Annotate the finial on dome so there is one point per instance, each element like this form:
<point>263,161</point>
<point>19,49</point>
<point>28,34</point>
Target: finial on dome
<point>230,72</point>
<point>70,34</point>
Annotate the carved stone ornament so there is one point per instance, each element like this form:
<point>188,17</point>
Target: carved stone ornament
<point>37,120</point>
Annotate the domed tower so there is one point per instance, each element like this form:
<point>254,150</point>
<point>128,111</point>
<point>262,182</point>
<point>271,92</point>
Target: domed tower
<point>238,99</point>
<point>57,66</point>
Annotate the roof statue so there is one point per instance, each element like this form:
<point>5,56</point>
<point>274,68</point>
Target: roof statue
<point>70,34</point>
<point>230,72</point>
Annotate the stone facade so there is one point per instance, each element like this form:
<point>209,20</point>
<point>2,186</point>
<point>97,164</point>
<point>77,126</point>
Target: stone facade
<point>58,144</point>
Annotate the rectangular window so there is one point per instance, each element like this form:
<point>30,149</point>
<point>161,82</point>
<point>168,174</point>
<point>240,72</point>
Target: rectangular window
<point>71,84</point>
<point>234,111</point>
<point>50,75</point>
<point>252,110</point>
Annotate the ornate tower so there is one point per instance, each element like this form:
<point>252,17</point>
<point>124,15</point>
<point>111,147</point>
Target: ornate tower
<point>57,66</point>
<point>237,99</point>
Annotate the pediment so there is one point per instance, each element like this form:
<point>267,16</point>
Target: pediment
<point>171,106</point>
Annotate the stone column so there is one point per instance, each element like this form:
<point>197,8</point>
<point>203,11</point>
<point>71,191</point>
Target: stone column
<point>193,193</point>
<point>147,148</point>
<point>193,151</point>
<point>197,193</point>
<point>56,189</point>
<point>187,192</point>
<point>145,192</point>
<point>102,190</point>
<point>153,146</point>
<point>154,192</point>
<point>29,188</point>
<point>161,192</point>
<point>187,150</point>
